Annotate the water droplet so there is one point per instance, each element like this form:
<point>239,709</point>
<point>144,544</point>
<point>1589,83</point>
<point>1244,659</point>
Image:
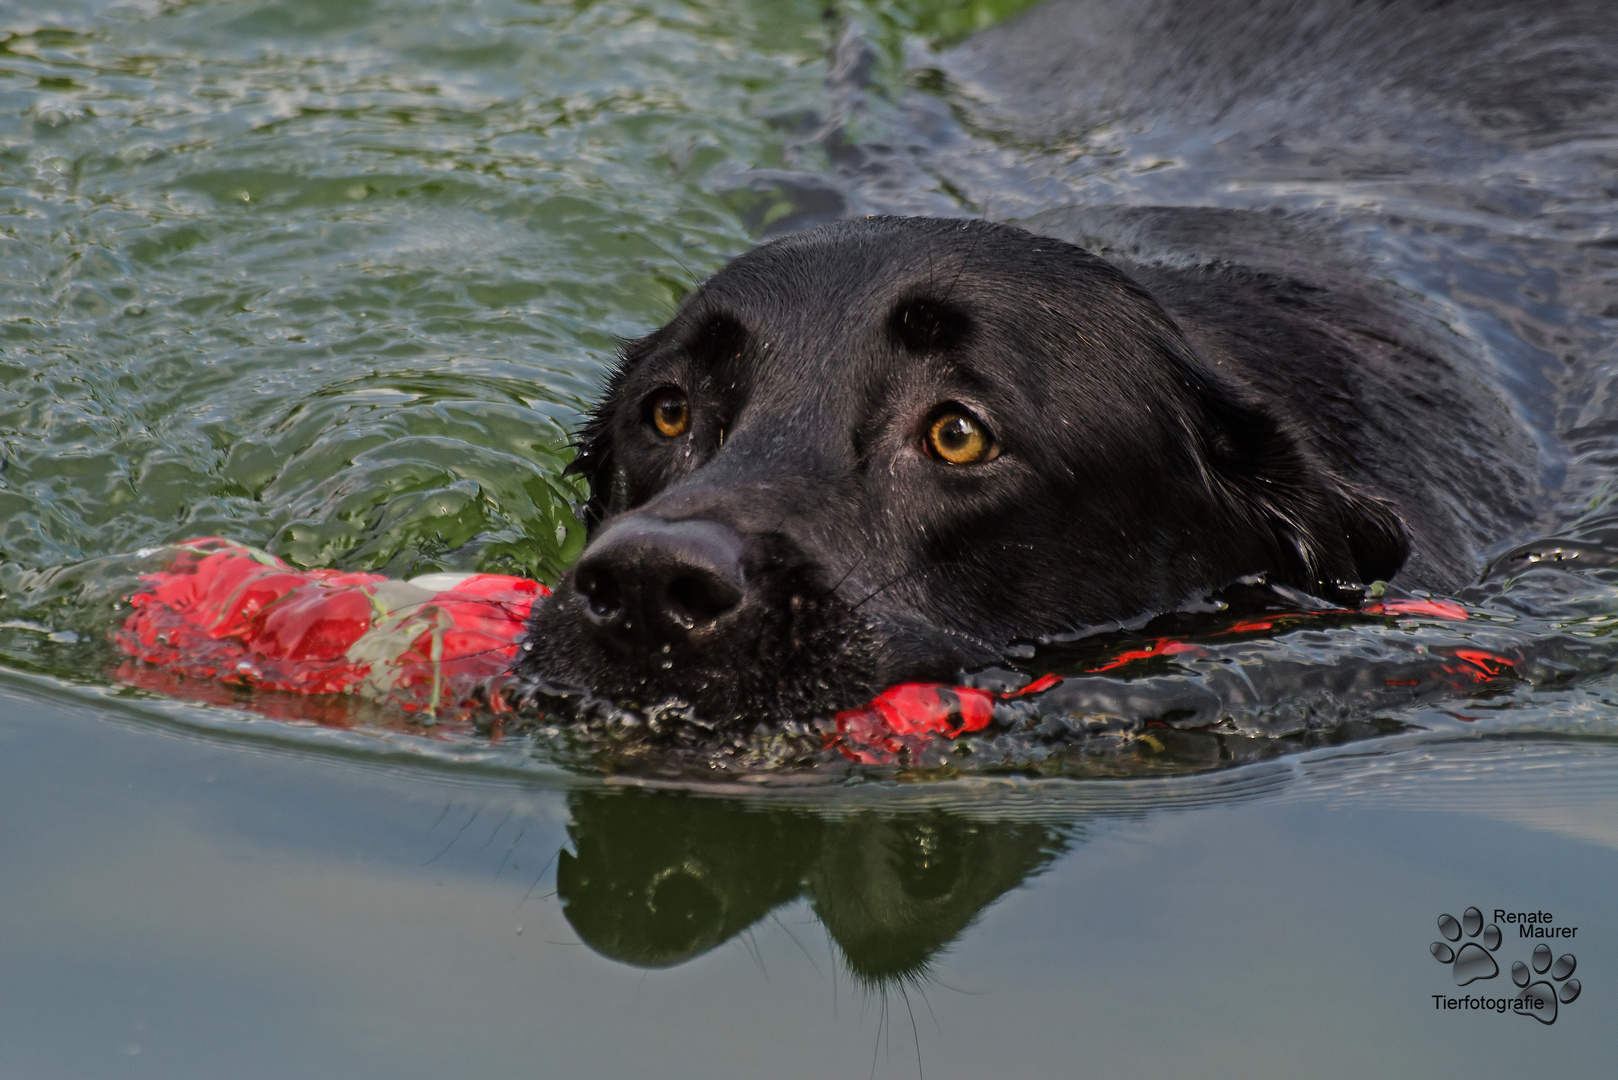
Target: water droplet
<point>1472,921</point>
<point>56,114</point>
<point>1564,966</point>
<point>1449,927</point>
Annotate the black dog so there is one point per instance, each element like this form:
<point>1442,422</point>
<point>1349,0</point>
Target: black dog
<point>884,449</point>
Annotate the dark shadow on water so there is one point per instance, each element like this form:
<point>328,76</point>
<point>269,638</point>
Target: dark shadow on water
<point>657,879</point>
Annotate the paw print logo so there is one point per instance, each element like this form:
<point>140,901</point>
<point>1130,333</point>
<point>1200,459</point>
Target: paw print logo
<point>1545,994</point>
<point>1472,961</point>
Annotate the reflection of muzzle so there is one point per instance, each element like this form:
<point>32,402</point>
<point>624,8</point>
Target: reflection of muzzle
<point>683,910</point>
<point>893,892</point>
<point>656,879</point>
<point>671,917</point>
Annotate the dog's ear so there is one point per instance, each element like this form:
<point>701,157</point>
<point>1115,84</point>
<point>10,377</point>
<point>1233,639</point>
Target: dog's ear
<point>1329,536</point>
<point>1376,536</point>
<point>594,457</point>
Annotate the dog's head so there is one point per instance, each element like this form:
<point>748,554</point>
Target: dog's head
<point>885,449</point>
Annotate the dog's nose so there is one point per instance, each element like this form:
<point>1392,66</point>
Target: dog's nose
<point>651,582</point>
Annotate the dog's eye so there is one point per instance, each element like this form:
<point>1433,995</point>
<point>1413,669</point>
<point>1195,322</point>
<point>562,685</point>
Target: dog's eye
<point>958,437</point>
<point>671,413</point>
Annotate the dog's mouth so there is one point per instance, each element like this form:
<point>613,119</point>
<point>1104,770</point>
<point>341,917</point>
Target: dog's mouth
<point>687,613</point>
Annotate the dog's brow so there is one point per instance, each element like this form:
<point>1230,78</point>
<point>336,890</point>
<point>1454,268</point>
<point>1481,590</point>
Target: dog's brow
<point>960,370</point>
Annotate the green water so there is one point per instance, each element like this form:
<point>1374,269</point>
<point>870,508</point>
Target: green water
<point>339,278</point>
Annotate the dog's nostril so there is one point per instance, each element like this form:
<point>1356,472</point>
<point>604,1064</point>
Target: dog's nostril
<point>699,598</point>
<point>600,591</point>
<point>647,582</point>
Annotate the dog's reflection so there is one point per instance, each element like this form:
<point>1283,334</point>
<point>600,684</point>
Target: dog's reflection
<point>656,879</point>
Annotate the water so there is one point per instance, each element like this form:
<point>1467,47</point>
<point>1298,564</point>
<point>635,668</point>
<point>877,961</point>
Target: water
<point>338,279</point>
<point>185,905</point>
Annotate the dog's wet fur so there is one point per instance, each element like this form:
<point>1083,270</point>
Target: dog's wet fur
<point>1164,427</point>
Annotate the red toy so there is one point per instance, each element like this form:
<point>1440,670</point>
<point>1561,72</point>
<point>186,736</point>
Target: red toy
<point>228,612</point>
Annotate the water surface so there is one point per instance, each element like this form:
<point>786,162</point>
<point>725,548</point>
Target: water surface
<point>338,280</point>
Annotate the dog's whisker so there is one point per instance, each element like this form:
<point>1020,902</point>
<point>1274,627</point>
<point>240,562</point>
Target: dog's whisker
<point>857,563</point>
<point>696,283</point>
<point>966,260</point>
<point>885,586</point>
<point>927,568</point>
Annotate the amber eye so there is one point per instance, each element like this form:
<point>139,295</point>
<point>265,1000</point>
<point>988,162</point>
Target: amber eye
<point>960,438</point>
<point>671,413</point>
